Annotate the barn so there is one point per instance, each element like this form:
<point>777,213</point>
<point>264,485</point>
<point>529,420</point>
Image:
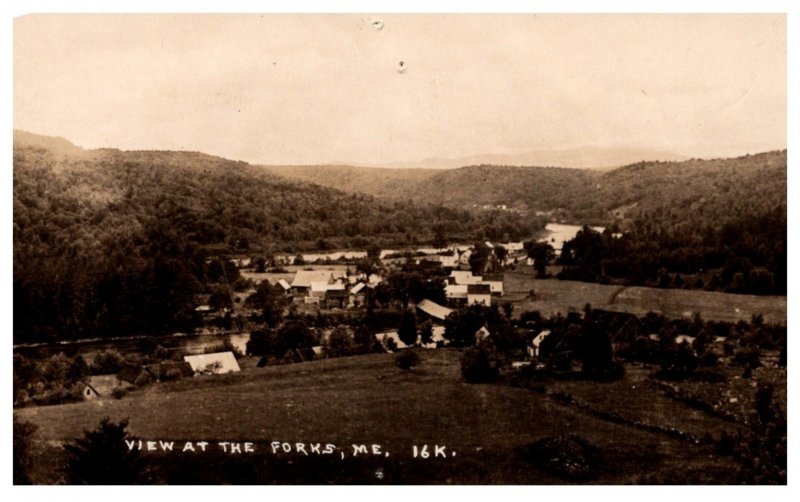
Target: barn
<point>216,363</point>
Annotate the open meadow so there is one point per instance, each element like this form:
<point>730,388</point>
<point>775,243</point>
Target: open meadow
<point>553,295</point>
<point>367,400</point>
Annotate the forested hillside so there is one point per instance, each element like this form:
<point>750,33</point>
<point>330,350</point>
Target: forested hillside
<point>691,192</point>
<point>714,224</point>
<point>379,182</point>
<point>111,243</point>
<point>524,188</point>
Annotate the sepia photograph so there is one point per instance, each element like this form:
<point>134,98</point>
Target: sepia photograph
<point>399,249</point>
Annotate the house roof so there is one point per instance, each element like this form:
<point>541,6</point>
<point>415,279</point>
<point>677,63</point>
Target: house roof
<point>130,372</point>
<point>200,362</point>
<point>464,277</point>
<point>319,286</point>
<point>285,285</point>
<point>183,367</point>
<point>479,289</point>
<point>433,309</point>
<point>538,339</point>
<point>304,278</point>
<point>358,287</point>
<point>382,337</point>
<point>493,278</point>
<point>87,385</point>
<point>456,290</point>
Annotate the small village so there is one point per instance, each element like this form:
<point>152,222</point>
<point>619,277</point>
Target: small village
<point>294,310</point>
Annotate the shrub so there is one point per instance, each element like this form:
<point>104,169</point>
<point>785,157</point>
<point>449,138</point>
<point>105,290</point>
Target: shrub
<point>572,457</point>
<point>102,457</point>
<point>747,357</point>
<point>107,362</point>
<point>171,375</point>
<point>406,360</point>
<point>119,392</point>
<point>709,359</point>
<point>23,460</point>
<point>477,366</point>
<point>144,378</point>
<point>161,353</point>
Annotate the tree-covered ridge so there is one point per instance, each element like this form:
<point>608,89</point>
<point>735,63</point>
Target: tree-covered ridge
<point>690,192</point>
<point>716,224</point>
<point>526,188</point>
<point>110,243</point>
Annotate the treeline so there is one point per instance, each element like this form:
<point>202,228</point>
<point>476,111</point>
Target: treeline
<point>718,225</point>
<point>745,254</point>
<point>110,243</point>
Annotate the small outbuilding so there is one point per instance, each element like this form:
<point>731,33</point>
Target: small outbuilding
<point>87,391</point>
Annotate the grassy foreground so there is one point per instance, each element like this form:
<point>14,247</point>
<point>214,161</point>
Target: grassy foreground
<point>367,400</point>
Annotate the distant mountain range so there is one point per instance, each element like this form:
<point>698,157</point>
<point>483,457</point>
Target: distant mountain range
<point>582,158</point>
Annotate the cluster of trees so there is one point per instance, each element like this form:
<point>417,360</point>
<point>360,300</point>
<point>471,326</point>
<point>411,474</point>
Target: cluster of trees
<point>651,339</point>
<point>55,380</point>
<point>295,333</point>
<point>112,243</point>
<point>411,283</point>
<point>746,256</point>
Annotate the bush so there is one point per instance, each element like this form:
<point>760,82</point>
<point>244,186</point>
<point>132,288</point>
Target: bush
<point>56,395</point>
<point>406,360</point>
<point>144,378</point>
<point>23,460</point>
<point>171,375</point>
<point>119,392</point>
<point>101,457</point>
<point>477,366</point>
<point>107,362</point>
<point>747,357</point>
<point>572,457</point>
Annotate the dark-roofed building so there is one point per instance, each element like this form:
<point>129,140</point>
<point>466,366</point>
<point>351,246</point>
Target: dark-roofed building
<point>182,367</point>
<point>495,282</point>
<point>130,373</point>
<point>337,298</point>
<point>478,294</point>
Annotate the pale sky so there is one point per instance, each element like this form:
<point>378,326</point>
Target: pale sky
<point>310,89</point>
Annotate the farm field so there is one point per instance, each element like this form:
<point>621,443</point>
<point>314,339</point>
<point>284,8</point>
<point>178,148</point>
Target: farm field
<point>553,295</point>
<point>367,400</point>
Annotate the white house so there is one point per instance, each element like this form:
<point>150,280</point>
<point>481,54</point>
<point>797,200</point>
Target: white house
<point>479,294</point>
<point>456,291</point>
<point>301,285</point>
<point>390,335</point>
<point>482,334</point>
<point>495,282</point>
<point>533,348</point>
<point>464,277</point>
